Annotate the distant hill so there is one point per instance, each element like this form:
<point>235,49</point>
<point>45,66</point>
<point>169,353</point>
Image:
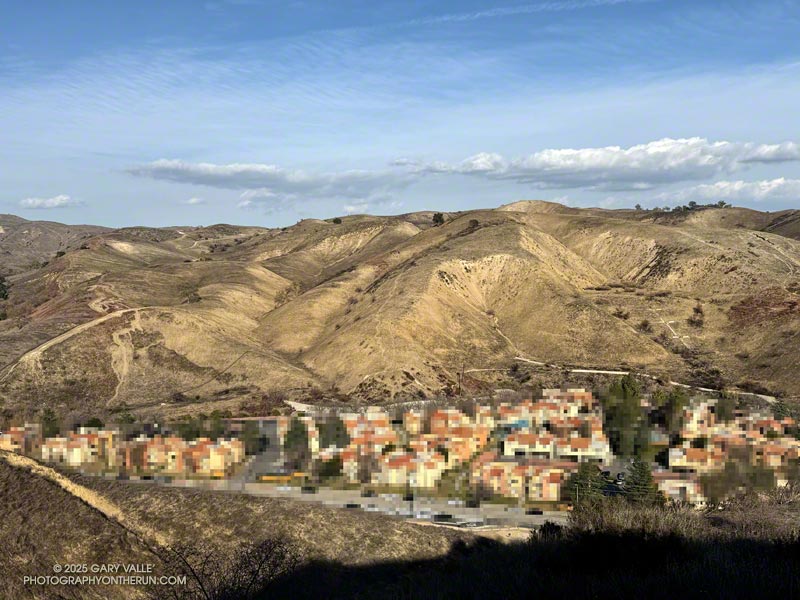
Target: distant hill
<point>24,244</point>
<point>390,308</point>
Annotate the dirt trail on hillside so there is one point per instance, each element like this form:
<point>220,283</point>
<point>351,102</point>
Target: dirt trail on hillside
<point>122,353</point>
<point>32,358</point>
<point>109,509</point>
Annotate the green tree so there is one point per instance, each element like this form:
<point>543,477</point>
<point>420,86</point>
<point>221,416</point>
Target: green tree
<point>332,432</point>
<point>781,409</point>
<point>215,428</point>
<point>337,221</point>
<point>295,444</point>
<point>94,422</point>
<point>330,468</point>
<point>626,387</point>
<point>724,410</point>
<point>50,424</point>
<point>252,439</point>
<point>677,401</point>
<point>3,288</point>
<point>438,218</point>
<point>623,415</point>
<point>126,418</point>
<point>737,476</point>
<point>639,485</point>
<point>189,430</point>
<point>641,442</point>
<point>586,485</point>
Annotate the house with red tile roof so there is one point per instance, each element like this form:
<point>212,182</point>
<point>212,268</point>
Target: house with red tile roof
<point>680,487</point>
<point>696,460</point>
<point>23,440</point>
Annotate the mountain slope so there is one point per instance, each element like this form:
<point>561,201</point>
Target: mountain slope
<point>26,244</point>
<point>393,307</point>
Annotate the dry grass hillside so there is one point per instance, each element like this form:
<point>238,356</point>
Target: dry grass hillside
<point>25,245</point>
<point>382,308</point>
<point>54,518</point>
<point>44,525</point>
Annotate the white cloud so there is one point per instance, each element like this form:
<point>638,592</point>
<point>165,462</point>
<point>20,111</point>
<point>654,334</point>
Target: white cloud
<point>60,201</point>
<point>613,168</point>
<point>737,191</point>
<point>267,199</point>
<point>638,167</point>
<point>270,184</point>
<point>257,193</point>
<point>351,209</point>
<point>194,201</point>
<point>367,207</point>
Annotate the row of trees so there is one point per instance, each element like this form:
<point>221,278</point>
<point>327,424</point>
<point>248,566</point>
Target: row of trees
<point>52,425</point>
<point>628,426</point>
<point>332,432</point>
<point>589,485</point>
<point>692,205</point>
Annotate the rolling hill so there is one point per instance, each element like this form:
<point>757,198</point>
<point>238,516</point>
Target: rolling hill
<point>393,308</point>
<point>51,518</point>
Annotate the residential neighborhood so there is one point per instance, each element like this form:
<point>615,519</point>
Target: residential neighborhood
<point>106,450</point>
<point>523,452</point>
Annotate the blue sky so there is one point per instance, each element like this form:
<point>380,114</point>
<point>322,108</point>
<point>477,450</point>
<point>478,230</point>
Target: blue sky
<point>261,112</point>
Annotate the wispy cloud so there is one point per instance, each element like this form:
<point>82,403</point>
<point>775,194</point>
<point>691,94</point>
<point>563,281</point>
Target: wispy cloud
<point>638,167</point>
<point>523,9</point>
<point>60,201</point>
<point>270,185</point>
<point>379,204</point>
<point>219,5</point>
<point>194,201</point>
<point>266,178</point>
<point>262,198</point>
<point>496,81</point>
<point>780,189</point>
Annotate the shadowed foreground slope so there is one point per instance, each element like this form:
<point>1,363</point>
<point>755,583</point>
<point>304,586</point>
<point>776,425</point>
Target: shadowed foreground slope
<point>611,549</point>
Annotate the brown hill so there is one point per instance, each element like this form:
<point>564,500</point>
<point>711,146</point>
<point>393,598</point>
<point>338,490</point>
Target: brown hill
<point>382,308</point>
<point>53,518</point>
<point>25,245</point>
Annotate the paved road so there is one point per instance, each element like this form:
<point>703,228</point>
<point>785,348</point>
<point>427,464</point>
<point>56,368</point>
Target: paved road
<point>768,399</point>
<point>420,509</point>
<point>268,461</point>
<point>423,508</point>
